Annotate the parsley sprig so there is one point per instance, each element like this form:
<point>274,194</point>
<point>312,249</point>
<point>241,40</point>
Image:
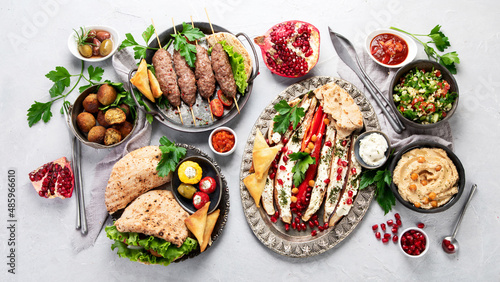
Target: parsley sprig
<point>441,42</point>
<point>181,44</point>
<point>170,157</point>
<point>286,114</point>
<point>140,50</point>
<point>62,79</point>
<point>382,179</point>
<point>304,160</point>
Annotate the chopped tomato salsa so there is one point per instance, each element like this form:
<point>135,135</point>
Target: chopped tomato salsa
<point>389,49</point>
<point>223,141</point>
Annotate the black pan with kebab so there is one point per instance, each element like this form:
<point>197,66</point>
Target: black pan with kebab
<point>200,102</point>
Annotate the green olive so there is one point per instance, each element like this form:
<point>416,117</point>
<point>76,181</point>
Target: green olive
<point>106,47</point>
<point>85,50</point>
<point>187,191</point>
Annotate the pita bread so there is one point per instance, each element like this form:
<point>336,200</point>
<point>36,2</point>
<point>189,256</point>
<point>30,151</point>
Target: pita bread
<point>158,214</point>
<point>341,107</point>
<point>154,84</point>
<point>197,221</point>
<point>263,158</point>
<point>141,80</point>
<point>133,175</point>
<point>255,186</point>
<point>238,47</point>
<point>211,220</point>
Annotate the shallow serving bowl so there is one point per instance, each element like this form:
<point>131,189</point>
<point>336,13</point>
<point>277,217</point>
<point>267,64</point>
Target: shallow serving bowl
<point>356,149</point>
<point>73,45</point>
<point>454,159</point>
<point>412,47</point>
<point>426,65</point>
<point>427,245</point>
<point>222,128</point>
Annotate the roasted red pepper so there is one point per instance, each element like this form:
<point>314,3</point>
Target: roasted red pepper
<point>312,170</point>
<point>313,127</point>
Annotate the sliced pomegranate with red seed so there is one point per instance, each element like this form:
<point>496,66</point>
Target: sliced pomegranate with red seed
<point>54,179</point>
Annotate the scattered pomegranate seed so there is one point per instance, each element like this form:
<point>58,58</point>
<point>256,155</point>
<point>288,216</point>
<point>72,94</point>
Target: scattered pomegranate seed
<point>420,225</point>
<point>353,170</point>
<point>328,143</point>
<point>398,222</point>
<point>397,216</point>
<point>377,235</point>
<point>314,217</point>
<point>387,235</point>
<point>321,228</point>
<point>349,201</point>
<point>311,224</point>
<point>350,193</point>
<point>287,226</point>
<point>314,233</point>
<point>274,219</point>
<point>327,181</point>
<point>285,140</point>
<point>394,230</point>
<point>282,167</point>
<point>344,143</point>
<point>375,227</point>
<point>395,238</point>
<point>390,222</point>
<point>316,222</point>
<point>294,226</point>
<point>303,226</point>
<point>325,225</point>
<point>280,182</point>
<point>385,240</point>
<point>382,226</point>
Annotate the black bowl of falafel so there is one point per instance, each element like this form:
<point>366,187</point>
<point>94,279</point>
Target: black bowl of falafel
<point>101,117</point>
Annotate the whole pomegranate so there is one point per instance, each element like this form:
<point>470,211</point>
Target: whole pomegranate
<point>291,48</point>
<point>54,179</point>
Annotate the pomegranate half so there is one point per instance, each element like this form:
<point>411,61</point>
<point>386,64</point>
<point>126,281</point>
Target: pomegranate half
<point>291,48</point>
<point>54,179</point>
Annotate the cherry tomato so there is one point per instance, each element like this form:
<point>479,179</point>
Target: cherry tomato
<point>438,73</point>
<point>207,185</point>
<point>430,108</point>
<point>200,199</point>
<point>224,100</point>
<point>217,108</point>
<point>416,100</point>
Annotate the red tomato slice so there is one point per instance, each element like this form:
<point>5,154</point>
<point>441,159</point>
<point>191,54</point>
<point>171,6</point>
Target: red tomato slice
<point>225,101</point>
<point>430,108</point>
<point>217,108</point>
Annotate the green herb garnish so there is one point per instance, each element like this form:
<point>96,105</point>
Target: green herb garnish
<point>140,50</point>
<point>300,168</point>
<point>62,79</point>
<point>181,44</point>
<point>441,42</point>
<point>286,114</point>
<point>170,157</point>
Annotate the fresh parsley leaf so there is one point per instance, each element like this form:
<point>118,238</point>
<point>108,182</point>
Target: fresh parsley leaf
<point>299,170</point>
<point>82,88</point>
<point>140,52</point>
<point>128,42</point>
<point>282,107</point>
<point>146,35</point>
<point>95,73</point>
<point>280,123</point>
<point>57,89</point>
<point>439,39</point>
<point>171,155</point>
<point>60,74</point>
<point>187,50</point>
<point>382,180</point>
<point>367,179</point>
<point>192,33</point>
<point>39,111</point>
<point>286,114</point>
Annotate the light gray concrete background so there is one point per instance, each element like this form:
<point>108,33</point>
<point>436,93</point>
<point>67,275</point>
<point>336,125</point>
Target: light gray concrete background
<point>34,43</point>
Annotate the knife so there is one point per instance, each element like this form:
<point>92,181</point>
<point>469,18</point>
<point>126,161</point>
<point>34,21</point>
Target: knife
<point>347,59</point>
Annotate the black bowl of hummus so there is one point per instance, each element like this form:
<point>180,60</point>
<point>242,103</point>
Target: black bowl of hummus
<point>427,177</point>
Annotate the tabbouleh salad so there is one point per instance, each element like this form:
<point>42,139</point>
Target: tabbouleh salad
<point>423,97</point>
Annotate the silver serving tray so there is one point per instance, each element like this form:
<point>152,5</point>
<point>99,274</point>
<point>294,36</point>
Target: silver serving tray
<point>273,235</point>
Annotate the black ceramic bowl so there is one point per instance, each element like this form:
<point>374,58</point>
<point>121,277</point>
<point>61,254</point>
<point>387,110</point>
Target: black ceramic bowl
<point>454,159</point>
<point>426,65</point>
<point>208,170</point>
<point>77,108</point>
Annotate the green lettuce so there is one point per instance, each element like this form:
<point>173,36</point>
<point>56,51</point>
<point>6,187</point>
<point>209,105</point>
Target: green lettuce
<point>168,251</point>
<point>238,66</point>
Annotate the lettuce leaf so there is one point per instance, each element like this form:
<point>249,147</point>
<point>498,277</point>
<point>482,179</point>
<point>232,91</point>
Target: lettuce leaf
<point>238,66</point>
<point>168,251</point>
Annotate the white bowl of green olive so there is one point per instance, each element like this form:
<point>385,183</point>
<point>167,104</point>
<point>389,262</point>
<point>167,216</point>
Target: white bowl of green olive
<point>93,43</point>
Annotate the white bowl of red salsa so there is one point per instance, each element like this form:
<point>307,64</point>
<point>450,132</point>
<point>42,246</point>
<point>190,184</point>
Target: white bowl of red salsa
<point>222,141</point>
<point>390,48</point>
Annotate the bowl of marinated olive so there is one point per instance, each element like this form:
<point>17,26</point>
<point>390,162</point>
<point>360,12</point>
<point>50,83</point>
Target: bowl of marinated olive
<point>93,43</point>
<point>101,118</point>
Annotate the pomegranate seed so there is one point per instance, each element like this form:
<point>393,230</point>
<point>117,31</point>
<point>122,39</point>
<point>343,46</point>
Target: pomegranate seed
<point>397,216</point>
<point>327,181</point>
<point>287,226</point>
<point>390,222</point>
<point>344,143</point>
<point>314,233</point>
<point>321,228</point>
<point>451,248</point>
<point>314,217</point>
<point>299,214</point>
<point>395,238</point>
<point>387,235</point>
<point>325,225</point>
<point>328,143</point>
<point>398,222</point>
<point>273,175</point>
<point>299,228</point>
<point>316,222</point>
<point>285,158</point>
<point>311,224</point>
<point>394,230</point>
<point>339,170</point>
<point>353,170</point>
<point>280,182</point>
<point>303,226</point>
<point>375,227</point>
<point>385,240</point>
<point>285,140</point>
<point>294,226</point>
<point>421,225</point>
<point>349,201</point>
<point>382,225</point>
<point>339,177</point>
<point>282,167</point>
<point>274,219</point>
<point>377,235</point>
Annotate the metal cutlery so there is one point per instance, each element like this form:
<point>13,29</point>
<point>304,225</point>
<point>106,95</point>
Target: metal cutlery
<point>369,84</point>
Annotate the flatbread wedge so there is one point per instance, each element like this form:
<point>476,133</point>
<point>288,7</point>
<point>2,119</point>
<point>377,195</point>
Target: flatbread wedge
<point>133,175</point>
<point>154,84</point>
<point>196,223</point>
<point>255,186</point>
<point>158,214</point>
<point>141,80</point>
<point>211,220</point>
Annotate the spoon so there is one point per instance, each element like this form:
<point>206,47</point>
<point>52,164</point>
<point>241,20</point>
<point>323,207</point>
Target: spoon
<point>450,244</point>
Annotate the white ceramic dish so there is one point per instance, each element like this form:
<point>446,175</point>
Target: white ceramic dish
<point>412,47</point>
<point>426,242</point>
<point>221,129</point>
<point>73,46</point>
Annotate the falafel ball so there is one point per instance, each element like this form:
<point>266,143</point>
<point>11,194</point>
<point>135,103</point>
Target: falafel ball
<point>112,136</point>
<point>91,104</point>
<point>125,108</point>
<point>124,128</point>
<point>101,120</point>
<point>115,116</point>
<point>96,134</point>
<point>85,121</point>
<point>106,94</point>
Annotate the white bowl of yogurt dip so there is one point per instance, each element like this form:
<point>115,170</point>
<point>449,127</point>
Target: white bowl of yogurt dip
<point>372,149</point>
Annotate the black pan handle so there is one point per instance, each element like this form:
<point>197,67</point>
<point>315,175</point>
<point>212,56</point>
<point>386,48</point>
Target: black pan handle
<point>255,71</point>
<point>155,114</point>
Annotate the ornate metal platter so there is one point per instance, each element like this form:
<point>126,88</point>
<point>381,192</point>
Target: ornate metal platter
<point>273,235</point>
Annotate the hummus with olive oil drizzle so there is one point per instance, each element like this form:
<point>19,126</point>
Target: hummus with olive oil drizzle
<point>426,177</point>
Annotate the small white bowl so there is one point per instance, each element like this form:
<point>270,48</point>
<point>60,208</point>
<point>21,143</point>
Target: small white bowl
<point>426,242</point>
<point>73,45</point>
<point>221,129</point>
<point>412,46</point>
<point>357,145</point>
